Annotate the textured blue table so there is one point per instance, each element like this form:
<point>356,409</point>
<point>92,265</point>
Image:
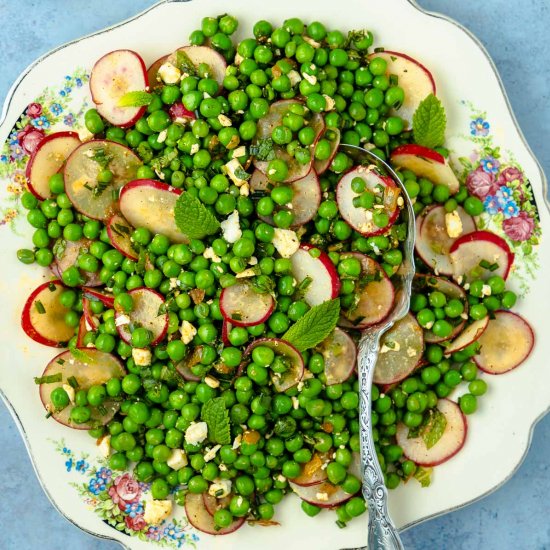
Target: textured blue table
<point>515,33</point>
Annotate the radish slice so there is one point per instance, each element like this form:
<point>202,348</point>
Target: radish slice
<point>190,360</point>
<point>200,518</point>
<point>468,336</point>
<point>451,441</point>
<point>90,320</point>
<point>400,351</point>
<point>340,354</point>
<point>90,368</point>
<point>433,241</point>
<point>361,218</point>
<point>226,329</point>
<point>93,294</point>
<point>413,77</point>
<point>332,135</point>
<point>426,163</point>
<point>325,283</point>
<point>203,54</point>
<point>428,283</point>
<point>82,331</point>
<point>295,372</point>
<point>146,313</point>
<point>43,316</point>
<point>469,251</point>
<point>312,472</point>
<point>375,298</point>
<point>243,306</point>
<point>82,168</point>
<point>153,74</point>
<point>150,204</point>
<point>120,231</point>
<point>114,75</point>
<point>179,114</point>
<point>505,344</point>
<point>306,199</point>
<point>67,256</point>
<point>47,159</point>
<point>213,504</point>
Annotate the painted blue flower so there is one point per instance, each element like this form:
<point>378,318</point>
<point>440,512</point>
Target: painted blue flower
<point>134,509</point>
<point>66,451</point>
<point>105,473</point>
<point>69,464</point>
<point>510,209</point>
<point>145,487</point>
<point>153,533</point>
<point>69,120</point>
<point>504,193</point>
<point>479,127</point>
<point>40,122</point>
<point>96,485</point>
<point>68,90</point>
<point>82,466</point>
<point>173,532</point>
<point>4,158</point>
<point>56,109</point>
<point>194,537</point>
<point>16,151</point>
<point>490,165</point>
<point>78,83</point>
<point>492,205</point>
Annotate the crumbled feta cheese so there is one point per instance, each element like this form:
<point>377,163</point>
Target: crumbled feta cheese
<point>238,59</point>
<point>194,148</point>
<point>323,497</point>
<point>196,433</point>
<point>330,102</point>
<point>453,224</point>
<point>281,478</point>
<point>177,459</point>
<point>400,201</point>
<point>169,73</point>
<point>310,41</point>
<point>239,151</point>
<point>188,332</point>
<point>244,189</point>
<point>394,347</point>
<point>156,511</point>
<point>122,320</point>
<point>206,95</point>
<point>311,78</point>
<point>70,392</point>
<point>220,488</point>
<point>295,403</point>
<point>222,467</point>
<point>237,441</point>
<point>300,386</point>
<point>104,446</point>
<point>294,77</point>
<point>209,254</point>
<point>141,356</point>
<point>430,325</point>
<point>211,453</point>
<point>285,241</point>
<point>85,135</point>
<point>411,352</point>
<point>466,286</point>
<point>231,228</point>
<point>160,176</point>
<point>250,272</point>
<point>161,138</point>
<point>464,315</point>
<point>486,290</point>
<point>212,382</point>
<point>224,120</point>
<point>231,168</point>
<point>459,279</point>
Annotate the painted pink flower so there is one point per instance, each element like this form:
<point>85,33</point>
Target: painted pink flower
<point>510,174</point>
<point>136,523</point>
<point>29,138</point>
<point>481,183</point>
<point>520,227</point>
<point>124,490</point>
<point>34,110</point>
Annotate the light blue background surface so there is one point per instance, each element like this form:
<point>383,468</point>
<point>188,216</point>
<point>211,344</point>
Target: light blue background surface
<point>516,36</point>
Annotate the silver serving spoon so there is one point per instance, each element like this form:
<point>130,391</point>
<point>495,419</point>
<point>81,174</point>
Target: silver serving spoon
<point>382,534</point>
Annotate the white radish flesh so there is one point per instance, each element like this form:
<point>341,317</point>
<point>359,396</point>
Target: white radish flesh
<point>242,306</point>
<point>340,354</point>
<point>200,518</point>
<point>332,135</point>
<point>190,360</point>
<point>152,73</point>
<point>66,257</point>
<point>314,471</point>
<point>203,54</point>
<point>120,231</point>
<point>213,504</point>
<point>468,336</point>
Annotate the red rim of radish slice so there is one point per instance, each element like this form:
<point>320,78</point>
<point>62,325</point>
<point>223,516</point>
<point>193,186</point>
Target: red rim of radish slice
<point>433,242</point>
<point>213,504</point>
<point>203,54</point>
<point>377,296</point>
<point>67,257</point>
<point>190,360</point>
<point>152,73</point>
<point>47,159</point>
<point>320,166</point>
<point>468,336</point>
<point>360,218</point>
<point>312,472</point>
<point>287,380</point>
<point>179,114</point>
<point>82,331</point>
<point>93,294</point>
<point>243,306</point>
<point>468,251</point>
<point>340,354</point>
<point>226,329</point>
<point>115,74</point>
<point>150,204</point>
<point>91,367</point>
<point>452,291</point>
<point>400,353</point>
<point>120,231</point>
<point>48,327</point>
<point>305,202</point>
<point>449,444</point>
<point>90,320</point>
<point>200,518</point>
<point>81,171</point>
<point>505,344</point>
<point>325,283</point>
<point>146,313</point>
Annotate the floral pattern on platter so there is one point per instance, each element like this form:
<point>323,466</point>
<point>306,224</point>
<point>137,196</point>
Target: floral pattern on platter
<point>119,500</point>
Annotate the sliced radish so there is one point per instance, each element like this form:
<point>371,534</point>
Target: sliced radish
<point>90,320</point>
<point>340,354</point>
<point>324,281</point>
<point>213,504</point>
<point>296,367</point>
<point>147,313</point>
<point>114,75</point>
<point>94,294</point>
<point>43,316</point>
<point>82,168</point>
<point>305,201</point>
<point>400,352</point>
<point>90,367</point>
<point>468,336</point>
<point>120,231</point>
<point>243,306</point>
<point>67,256</point>
<point>427,163</point>
<point>361,218</point>
<point>179,114</point>
<point>451,441</point>
<point>152,73</point>
<point>314,471</point>
<point>374,299</point>
<point>413,77</point>
<point>202,55</point>
<point>432,238</point>
<point>200,518</point>
<point>505,344</point>
<point>226,329</point>
<point>469,251</point>
<point>82,331</point>
<point>190,360</point>
<point>332,135</point>
<point>47,159</point>
<point>150,204</point>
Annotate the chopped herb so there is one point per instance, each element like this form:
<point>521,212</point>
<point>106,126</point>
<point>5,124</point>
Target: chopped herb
<point>432,428</point>
<point>264,285</point>
<point>163,161</point>
<point>378,50</point>
<point>394,79</point>
<point>48,414</point>
<point>302,288</point>
<point>121,229</point>
<point>98,190</point>
<point>59,248</point>
<point>237,317</point>
<point>423,476</point>
<point>60,361</point>
<point>73,382</point>
<point>487,265</point>
<point>39,307</point>
<point>219,493</point>
<point>242,174</point>
<point>102,410</point>
<point>341,524</point>
<point>48,379</point>
<point>142,260</point>
<point>263,149</point>
<point>101,157</point>
<point>184,63</point>
<point>135,99</point>
<point>52,287</point>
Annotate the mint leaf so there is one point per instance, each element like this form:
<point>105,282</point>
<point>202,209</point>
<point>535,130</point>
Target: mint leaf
<point>432,428</point>
<point>424,476</point>
<point>193,218</point>
<point>314,326</point>
<point>135,99</point>
<point>216,416</point>
<point>429,122</point>
<point>184,63</point>
<point>263,149</point>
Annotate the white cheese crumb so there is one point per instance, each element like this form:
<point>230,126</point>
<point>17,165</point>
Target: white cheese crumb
<point>250,272</point>
<point>395,347</point>
<point>285,241</point>
<point>330,102</point>
<point>411,352</point>
<point>400,201</point>
<point>466,286</point>
<point>295,403</point>
<point>212,382</point>
<point>244,189</point>
<point>238,59</point>
<point>160,176</point>
<point>211,453</point>
<point>464,315</point>
<point>311,78</point>
<point>122,320</point>
<point>206,95</point>
<point>231,228</point>
<point>323,497</point>
<point>70,392</point>
<point>294,77</point>
<point>209,254</point>
<point>231,168</point>
<point>239,151</point>
<point>486,290</point>
<point>220,488</point>
<point>253,260</point>
<point>161,138</point>
<point>453,224</point>
<point>177,459</point>
<point>85,135</point>
<point>224,121</point>
<point>194,148</point>
<point>169,73</point>
<point>281,478</point>
<point>156,511</point>
<point>141,356</point>
<point>237,441</point>
<point>430,325</point>
<point>300,386</point>
<point>196,433</point>
<point>222,467</point>
<point>188,332</point>
<point>459,279</point>
<point>104,446</point>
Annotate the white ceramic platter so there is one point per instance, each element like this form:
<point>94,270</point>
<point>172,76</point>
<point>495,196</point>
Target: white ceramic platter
<point>480,126</point>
